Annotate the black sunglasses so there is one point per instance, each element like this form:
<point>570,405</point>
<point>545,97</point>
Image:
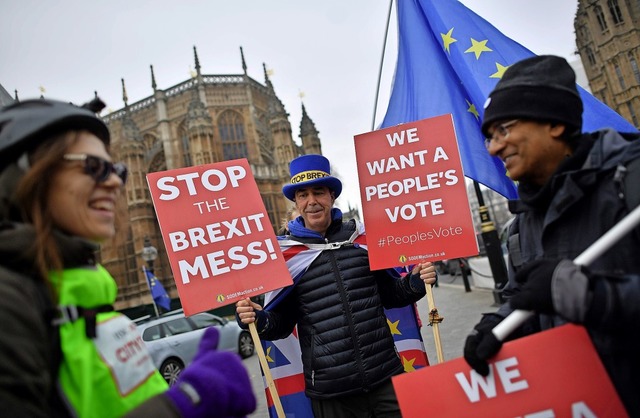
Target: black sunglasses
<point>98,168</point>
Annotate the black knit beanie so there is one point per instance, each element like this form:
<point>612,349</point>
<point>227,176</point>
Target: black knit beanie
<point>539,88</point>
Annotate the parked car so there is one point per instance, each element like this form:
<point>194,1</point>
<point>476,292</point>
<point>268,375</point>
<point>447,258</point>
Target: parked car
<point>172,339</point>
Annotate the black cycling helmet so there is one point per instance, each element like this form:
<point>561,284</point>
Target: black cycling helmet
<point>25,124</point>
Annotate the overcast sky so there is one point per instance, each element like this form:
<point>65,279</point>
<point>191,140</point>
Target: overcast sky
<point>329,51</point>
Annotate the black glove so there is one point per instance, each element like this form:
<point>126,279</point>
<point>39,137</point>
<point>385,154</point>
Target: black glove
<point>481,344</point>
<point>535,293</point>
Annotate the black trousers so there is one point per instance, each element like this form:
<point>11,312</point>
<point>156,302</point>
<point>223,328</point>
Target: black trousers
<point>379,403</point>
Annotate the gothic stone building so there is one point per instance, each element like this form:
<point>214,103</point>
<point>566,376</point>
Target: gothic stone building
<point>608,41</point>
<point>206,119</point>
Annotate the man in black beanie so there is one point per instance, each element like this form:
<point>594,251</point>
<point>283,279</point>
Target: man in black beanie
<point>573,188</point>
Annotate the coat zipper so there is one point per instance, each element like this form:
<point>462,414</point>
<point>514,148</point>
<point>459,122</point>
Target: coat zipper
<point>347,309</point>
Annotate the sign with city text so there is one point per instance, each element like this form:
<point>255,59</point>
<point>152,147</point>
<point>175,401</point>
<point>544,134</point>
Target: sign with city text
<point>217,233</point>
<point>555,373</point>
<point>414,198</point>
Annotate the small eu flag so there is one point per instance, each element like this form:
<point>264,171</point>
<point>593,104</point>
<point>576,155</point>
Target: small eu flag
<point>158,293</point>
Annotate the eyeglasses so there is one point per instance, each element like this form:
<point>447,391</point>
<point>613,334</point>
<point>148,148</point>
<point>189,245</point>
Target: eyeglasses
<point>98,168</point>
<point>500,133</point>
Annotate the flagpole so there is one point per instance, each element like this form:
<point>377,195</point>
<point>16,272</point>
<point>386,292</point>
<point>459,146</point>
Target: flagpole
<point>492,246</point>
<point>146,278</point>
<point>384,46</point>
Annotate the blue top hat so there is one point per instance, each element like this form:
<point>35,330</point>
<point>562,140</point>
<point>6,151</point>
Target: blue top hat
<point>310,170</point>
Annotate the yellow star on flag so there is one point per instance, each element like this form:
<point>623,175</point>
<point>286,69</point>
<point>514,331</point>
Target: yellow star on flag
<point>478,47</point>
<point>268,355</point>
<point>447,39</point>
<point>472,109</point>
<point>408,364</point>
<point>501,69</point>
<point>393,326</point>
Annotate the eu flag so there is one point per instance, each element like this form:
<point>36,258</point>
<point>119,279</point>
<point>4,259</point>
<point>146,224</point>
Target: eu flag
<point>449,60</point>
<point>158,293</point>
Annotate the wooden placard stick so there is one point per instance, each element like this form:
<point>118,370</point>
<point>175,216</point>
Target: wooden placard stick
<point>434,320</point>
<point>265,369</point>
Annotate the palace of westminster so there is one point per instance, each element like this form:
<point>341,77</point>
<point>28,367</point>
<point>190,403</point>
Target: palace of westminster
<point>206,119</point>
<point>212,118</point>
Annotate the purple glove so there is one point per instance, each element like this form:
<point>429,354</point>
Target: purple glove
<point>215,384</point>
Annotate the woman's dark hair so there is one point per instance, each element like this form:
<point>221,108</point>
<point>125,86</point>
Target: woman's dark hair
<point>32,193</point>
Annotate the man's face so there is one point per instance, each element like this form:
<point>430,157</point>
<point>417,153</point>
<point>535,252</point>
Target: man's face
<point>314,205</point>
<point>531,151</point>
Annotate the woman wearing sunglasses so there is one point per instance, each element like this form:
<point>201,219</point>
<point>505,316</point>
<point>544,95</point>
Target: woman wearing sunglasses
<point>64,351</point>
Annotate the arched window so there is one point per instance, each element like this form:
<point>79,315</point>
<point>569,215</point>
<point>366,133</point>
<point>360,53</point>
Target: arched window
<point>269,201</point>
<point>620,77</point>
<point>614,9</point>
<point>632,113</point>
<point>591,57</point>
<point>600,16</point>
<point>603,95</point>
<point>186,149</point>
<point>231,129</point>
<point>634,67</point>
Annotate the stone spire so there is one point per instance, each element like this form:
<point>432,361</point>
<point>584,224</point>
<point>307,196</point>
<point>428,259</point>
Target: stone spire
<point>197,61</point>
<point>275,108</point>
<point>306,124</point>
<point>244,64</point>
<point>125,99</point>
<point>309,134</point>
<point>154,86</point>
<point>130,130</point>
<point>266,77</point>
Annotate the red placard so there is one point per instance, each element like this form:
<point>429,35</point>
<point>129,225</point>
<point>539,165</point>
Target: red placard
<point>217,233</point>
<point>555,373</point>
<point>414,198</point>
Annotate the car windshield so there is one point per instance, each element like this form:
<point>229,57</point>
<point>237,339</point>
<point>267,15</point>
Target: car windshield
<point>177,326</point>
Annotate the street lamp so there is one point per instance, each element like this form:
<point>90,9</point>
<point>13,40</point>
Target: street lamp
<point>149,253</point>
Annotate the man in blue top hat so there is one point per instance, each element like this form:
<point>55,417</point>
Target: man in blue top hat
<point>348,353</point>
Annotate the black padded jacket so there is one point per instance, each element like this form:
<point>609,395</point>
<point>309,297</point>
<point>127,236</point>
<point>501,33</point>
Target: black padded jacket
<point>338,305</point>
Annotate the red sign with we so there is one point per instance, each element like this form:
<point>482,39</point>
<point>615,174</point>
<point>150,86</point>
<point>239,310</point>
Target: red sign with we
<point>555,373</point>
